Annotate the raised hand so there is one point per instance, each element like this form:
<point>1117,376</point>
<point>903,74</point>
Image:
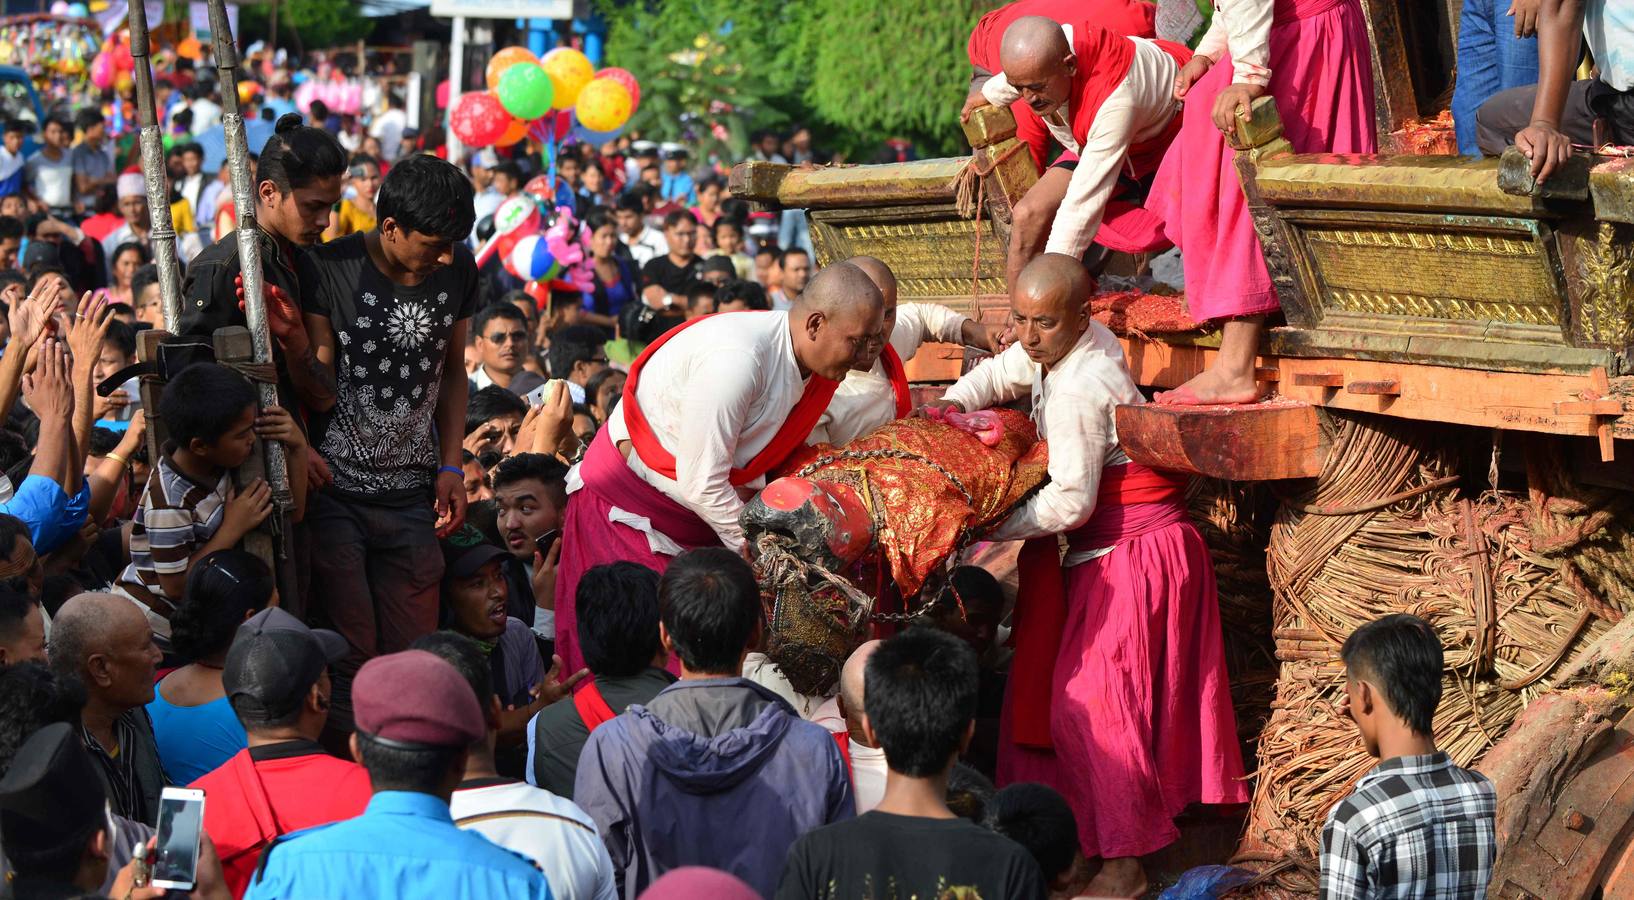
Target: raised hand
<point>283,316</point>
<point>49,389</point>
<point>86,334</point>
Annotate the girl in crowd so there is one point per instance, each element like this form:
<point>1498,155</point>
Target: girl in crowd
<point>127,258</point>
<point>355,213</point>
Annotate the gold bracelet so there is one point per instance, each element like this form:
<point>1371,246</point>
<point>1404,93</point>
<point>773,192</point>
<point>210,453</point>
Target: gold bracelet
<point>123,462</point>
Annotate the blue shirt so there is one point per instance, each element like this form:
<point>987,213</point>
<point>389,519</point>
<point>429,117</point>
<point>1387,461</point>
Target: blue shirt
<point>404,846</point>
<point>51,515</point>
<point>194,740</point>
<point>678,187</point>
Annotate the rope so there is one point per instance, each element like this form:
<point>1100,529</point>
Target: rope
<point>970,192</point>
<point>266,373</point>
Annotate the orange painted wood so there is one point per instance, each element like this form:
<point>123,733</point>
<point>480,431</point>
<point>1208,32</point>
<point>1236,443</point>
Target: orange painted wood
<point>1241,442</point>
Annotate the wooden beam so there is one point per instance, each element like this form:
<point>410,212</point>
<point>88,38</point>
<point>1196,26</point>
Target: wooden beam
<point>1241,442</point>
<point>1394,98</point>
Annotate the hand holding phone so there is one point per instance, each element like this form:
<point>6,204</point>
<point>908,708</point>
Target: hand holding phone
<point>181,823</point>
<point>547,540</point>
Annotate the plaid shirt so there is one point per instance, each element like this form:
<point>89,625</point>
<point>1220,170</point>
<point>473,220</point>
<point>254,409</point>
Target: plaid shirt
<point>1416,826</point>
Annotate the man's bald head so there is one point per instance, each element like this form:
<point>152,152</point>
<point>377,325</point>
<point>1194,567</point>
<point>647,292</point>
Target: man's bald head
<point>1049,304</point>
<point>882,277</point>
<point>851,680</point>
<point>105,641</point>
<point>836,319</point>
<point>1037,61</point>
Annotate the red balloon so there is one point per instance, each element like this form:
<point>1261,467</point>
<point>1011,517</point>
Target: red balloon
<point>540,292</point>
<point>539,189</point>
<point>478,119</point>
<point>623,76</point>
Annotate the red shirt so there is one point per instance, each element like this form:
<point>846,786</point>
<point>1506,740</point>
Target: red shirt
<point>272,790</point>
<point>1130,18</point>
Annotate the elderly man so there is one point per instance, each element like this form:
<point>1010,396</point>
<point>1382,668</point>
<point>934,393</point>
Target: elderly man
<point>1119,696</point>
<point>863,757</point>
<point>416,721</point>
<point>105,641</point>
<point>877,391</point>
<point>708,410</point>
<point>1105,97</point>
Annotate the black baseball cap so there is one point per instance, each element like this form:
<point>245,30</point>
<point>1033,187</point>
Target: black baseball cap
<point>467,550</point>
<point>275,659</point>
<point>51,797</point>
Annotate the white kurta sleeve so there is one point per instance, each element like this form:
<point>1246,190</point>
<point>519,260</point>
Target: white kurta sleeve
<point>710,422</point>
<point>998,91</point>
<point>1076,423</point>
<point>1247,26</point>
<point>917,323</point>
<point>1002,379</point>
<point>1213,42</point>
<point>1103,153</point>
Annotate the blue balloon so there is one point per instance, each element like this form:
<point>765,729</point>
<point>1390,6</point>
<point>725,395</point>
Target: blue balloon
<point>595,138</point>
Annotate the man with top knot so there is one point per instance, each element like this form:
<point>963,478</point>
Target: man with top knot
<point>1118,695</point>
<point>709,409</point>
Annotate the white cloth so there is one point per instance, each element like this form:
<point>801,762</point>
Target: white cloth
<point>781,302</point>
<point>554,832</point>
<point>210,201</point>
<point>1608,26</point>
<point>715,395</point>
<point>759,668</point>
<point>191,187</point>
<point>187,245</point>
<point>646,246</point>
<point>206,115</point>
<point>51,180</point>
<point>1138,109</point>
<point>1243,29</point>
<point>868,772</point>
<point>1073,407</point>
<point>865,400</point>
<point>388,127</point>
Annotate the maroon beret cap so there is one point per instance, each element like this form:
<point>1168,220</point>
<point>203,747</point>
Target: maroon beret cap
<point>415,697</point>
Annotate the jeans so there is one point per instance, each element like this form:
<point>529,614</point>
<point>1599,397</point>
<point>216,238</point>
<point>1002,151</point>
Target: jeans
<point>1490,59</point>
<point>376,574</point>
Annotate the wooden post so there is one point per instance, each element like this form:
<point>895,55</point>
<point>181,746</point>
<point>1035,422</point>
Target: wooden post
<point>233,346</point>
<point>150,389</point>
<point>1006,164</point>
<point>1395,101</point>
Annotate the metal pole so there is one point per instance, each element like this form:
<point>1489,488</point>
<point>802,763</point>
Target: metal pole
<point>162,234</point>
<point>456,85</point>
<point>249,246</point>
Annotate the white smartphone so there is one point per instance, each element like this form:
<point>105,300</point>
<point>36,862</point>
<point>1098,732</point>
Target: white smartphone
<point>181,824</point>
<point>536,397</point>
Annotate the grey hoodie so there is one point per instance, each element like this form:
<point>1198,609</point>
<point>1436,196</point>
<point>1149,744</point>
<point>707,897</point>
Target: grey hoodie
<point>718,773</point>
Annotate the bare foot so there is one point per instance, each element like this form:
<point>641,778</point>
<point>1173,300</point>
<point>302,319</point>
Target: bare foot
<point>1122,878</point>
<point>1211,387</point>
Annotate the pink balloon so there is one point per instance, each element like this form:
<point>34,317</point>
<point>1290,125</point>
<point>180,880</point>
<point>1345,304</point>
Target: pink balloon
<point>443,90</point>
<point>478,119</point>
<point>102,71</point>
<point>623,76</point>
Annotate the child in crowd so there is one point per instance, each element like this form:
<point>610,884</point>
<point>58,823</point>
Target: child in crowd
<point>700,299</point>
<point>1039,819</point>
<point>728,236</point>
<point>189,507</point>
<point>144,292</point>
<point>1417,825</point>
<point>118,353</point>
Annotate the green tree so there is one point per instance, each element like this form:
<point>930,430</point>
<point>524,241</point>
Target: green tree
<point>304,24</point>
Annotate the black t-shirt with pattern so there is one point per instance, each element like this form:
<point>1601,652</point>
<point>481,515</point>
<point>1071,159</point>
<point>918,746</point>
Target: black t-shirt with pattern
<point>391,341</point>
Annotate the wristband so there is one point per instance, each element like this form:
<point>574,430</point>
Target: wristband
<point>456,470</point>
<point>123,462</point>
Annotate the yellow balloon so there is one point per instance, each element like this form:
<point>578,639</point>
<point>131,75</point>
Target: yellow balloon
<point>503,60</point>
<point>604,105</point>
<point>122,84</point>
<point>569,72</point>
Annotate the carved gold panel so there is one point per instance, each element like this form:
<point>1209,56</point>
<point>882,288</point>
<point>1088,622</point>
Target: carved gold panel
<point>932,251</point>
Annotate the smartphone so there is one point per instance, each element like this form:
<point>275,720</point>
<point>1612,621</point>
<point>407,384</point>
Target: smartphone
<point>547,540</point>
<point>537,396</point>
<point>181,823</point>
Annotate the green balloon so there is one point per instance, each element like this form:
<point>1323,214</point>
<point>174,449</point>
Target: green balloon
<point>525,91</point>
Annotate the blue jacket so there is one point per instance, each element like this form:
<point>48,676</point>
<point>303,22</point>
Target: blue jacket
<point>404,846</point>
<point>719,773</point>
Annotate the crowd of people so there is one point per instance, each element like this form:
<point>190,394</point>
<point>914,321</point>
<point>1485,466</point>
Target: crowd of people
<point>508,639</point>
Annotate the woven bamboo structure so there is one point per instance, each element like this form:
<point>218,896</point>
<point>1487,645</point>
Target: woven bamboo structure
<point>1517,581</point>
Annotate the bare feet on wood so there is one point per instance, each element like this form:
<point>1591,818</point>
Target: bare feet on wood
<point>1122,878</point>
<point>1211,387</point>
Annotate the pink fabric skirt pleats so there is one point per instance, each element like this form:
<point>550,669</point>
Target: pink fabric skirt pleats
<point>1141,713</point>
<point>1322,79</point>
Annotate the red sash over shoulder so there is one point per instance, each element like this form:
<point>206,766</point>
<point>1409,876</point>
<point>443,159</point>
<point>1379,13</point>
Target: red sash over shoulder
<point>592,707</point>
<point>796,428</point>
<point>899,380</point>
<point>1041,598</point>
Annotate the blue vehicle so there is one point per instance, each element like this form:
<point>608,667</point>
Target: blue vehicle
<point>19,100</point>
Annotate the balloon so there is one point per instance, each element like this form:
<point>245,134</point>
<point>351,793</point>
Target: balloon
<point>569,71</point>
<point>525,91</point>
<point>478,120</point>
<point>443,89</point>
<point>531,259</point>
<point>122,83</point>
<point>122,59</point>
<point>604,105</point>
<point>540,292</point>
<point>517,131</point>
<point>102,71</point>
<point>596,138</point>
<point>539,189</point>
<point>504,59</point>
<point>623,76</point>
<point>515,219</point>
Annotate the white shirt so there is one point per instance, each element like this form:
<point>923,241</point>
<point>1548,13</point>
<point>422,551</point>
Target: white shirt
<point>865,400</point>
<point>388,127</point>
<point>552,831</point>
<point>206,115</point>
<point>1608,26</point>
<point>714,396</point>
<point>1138,109</point>
<point>759,668</point>
<point>1073,407</point>
<point>1243,29</point>
<point>51,180</point>
<point>188,245</point>
<point>868,771</point>
<point>646,246</point>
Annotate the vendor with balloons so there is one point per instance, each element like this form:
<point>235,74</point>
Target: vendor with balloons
<point>545,100</point>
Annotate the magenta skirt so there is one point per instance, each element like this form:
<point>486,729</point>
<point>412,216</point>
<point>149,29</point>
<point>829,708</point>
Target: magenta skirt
<point>1140,713</point>
<point>1322,79</point>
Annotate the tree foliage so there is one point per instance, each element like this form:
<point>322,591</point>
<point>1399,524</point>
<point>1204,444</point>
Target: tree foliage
<point>858,71</point>
<point>305,24</point>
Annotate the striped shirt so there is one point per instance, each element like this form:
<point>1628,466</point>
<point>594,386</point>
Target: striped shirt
<point>1415,827</point>
<point>176,516</point>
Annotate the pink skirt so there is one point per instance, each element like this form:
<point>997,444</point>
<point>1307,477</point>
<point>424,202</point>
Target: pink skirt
<point>590,538</point>
<point>1322,79</point>
<point>1140,714</point>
